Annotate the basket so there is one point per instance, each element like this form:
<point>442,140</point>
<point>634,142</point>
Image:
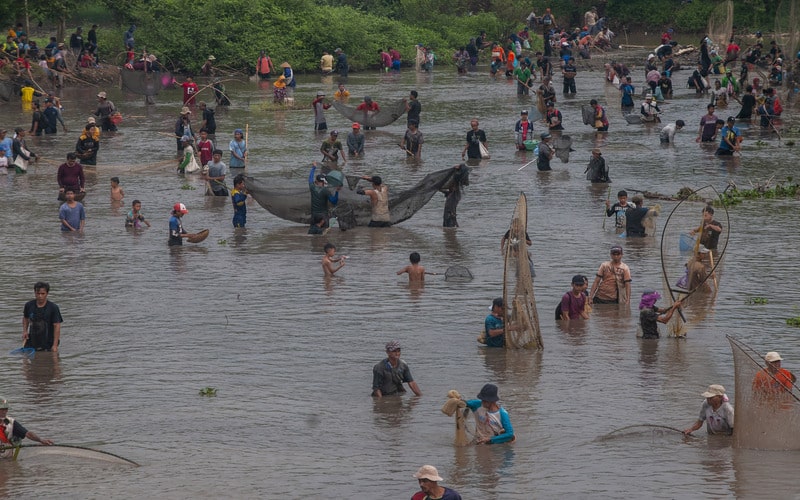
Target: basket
<point>116,118</point>
<point>197,237</point>
<point>530,144</point>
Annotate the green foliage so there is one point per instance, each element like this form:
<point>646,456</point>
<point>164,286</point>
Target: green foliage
<point>182,33</point>
<point>298,37</point>
<point>208,391</point>
<point>756,301</point>
<point>793,321</point>
<point>735,196</point>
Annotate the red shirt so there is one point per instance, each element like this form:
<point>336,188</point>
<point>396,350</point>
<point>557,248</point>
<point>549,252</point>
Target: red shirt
<point>206,149</point>
<point>189,90</point>
<point>373,106</point>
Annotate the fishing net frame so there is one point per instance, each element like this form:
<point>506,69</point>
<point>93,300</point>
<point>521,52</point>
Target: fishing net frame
<point>720,25</point>
<point>670,246</point>
<point>388,114</point>
<point>764,420</point>
<point>458,273</point>
<point>521,318</point>
<point>787,38</point>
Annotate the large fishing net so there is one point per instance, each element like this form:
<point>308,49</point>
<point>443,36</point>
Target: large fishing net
<point>691,272</point>
<point>521,318</point>
<point>143,82</point>
<point>562,145</point>
<point>720,25</point>
<point>767,411</point>
<point>388,114</point>
<point>786,35</point>
<point>8,90</point>
<point>289,198</point>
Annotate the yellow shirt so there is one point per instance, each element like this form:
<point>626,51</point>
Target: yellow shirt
<point>341,95</point>
<point>27,94</point>
<point>326,63</point>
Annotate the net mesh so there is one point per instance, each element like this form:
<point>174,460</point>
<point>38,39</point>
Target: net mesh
<point>521,317</point>
<point>562,145</point>
<point>720,25</point>
<point>8,90</point>
<point>144,83</point>
<point>458,273</point>
<point>389,114</point>
<point>289,198</point>
<point>786,35</point>
<point>767,414</point>
<point>690,274</point>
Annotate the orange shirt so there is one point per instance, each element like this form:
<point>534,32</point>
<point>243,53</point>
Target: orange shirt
<point>498,53</point>
<point>774,383</point>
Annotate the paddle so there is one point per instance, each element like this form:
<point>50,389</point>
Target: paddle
<point>520,168</point>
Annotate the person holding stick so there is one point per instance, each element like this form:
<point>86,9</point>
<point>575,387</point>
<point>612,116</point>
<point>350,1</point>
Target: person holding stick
<point>12,432</point>
<point>238,149</point>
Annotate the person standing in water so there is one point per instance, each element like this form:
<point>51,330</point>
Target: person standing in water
<point>379,199</point>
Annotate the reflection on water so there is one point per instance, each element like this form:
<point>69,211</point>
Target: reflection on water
<point>146,326</point>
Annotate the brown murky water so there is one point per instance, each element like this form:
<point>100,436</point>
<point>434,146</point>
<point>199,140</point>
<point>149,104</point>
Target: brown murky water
<point>147,327</point>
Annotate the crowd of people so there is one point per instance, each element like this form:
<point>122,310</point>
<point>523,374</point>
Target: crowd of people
<point>612,281</point>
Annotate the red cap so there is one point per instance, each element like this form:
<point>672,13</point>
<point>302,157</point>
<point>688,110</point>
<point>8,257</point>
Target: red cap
<point>180,207</point>
<point>356,126</point>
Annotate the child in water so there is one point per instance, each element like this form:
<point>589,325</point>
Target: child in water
<point>135,217</point>
<point>330,258</point>
<point>416,273</point>
<point>239,199</point>
<point>651,315</point>
<point>116,191</point>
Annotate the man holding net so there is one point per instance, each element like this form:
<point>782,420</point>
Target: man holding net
<point>773,380</point>
<point>12,432</point>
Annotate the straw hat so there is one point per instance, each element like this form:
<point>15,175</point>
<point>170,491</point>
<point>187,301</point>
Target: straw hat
<point>212,58</point>
<point>186,111</point>
<point>428,472</point>
<point>714,390</point>
<point>285,64</point>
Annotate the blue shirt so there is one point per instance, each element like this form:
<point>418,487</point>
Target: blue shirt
<point>732,134</point>
<point>7,143</point>
<point>627,93</point>
<point>175,231</point>
<point>73,216</point>
<point>239,148</point>
<point>502,435</point>
<point>493,323</point>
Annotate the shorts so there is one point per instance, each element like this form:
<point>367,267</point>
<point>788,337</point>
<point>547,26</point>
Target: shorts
<point>321,126</point>
<point>378,223</point>
<point>598,300</point>
<point>724,152</point>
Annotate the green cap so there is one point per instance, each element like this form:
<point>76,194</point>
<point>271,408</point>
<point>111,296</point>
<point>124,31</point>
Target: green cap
<point>3,404</point>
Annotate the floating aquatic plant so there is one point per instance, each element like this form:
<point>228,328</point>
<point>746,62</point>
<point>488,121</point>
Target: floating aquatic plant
<point>756,301</point>
<point>208,391</point>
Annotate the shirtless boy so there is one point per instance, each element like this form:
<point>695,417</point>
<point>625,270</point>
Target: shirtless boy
<point>330,258</point>
<point>416,273</point>
<point>116,191</point>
